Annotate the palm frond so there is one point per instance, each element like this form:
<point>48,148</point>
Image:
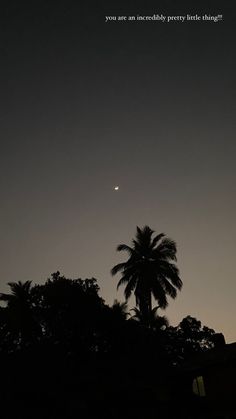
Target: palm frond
<point>117,268</point>
<point>154,310</point>
<point>168,287</point>
<point>167,249</point>
<point>144,235</point>
<point>126,248</point>
<point>159,295</point>
<point>123,280</point>
<point>157,239</point>
<point>147,231</point>
<point>171,272</point>
<point>130,287</point>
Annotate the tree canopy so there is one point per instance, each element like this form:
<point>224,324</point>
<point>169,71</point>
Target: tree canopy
<point>150,270</point>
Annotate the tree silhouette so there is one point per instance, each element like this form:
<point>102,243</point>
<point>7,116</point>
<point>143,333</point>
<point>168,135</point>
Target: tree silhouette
<point>149,271</point>
<point>63,339</point>
<point>19,313</point>
<point>120,310</point>
<point>155,321</point>
<point>188,338</point>
<point>20,294</point>
<point>72,314</point>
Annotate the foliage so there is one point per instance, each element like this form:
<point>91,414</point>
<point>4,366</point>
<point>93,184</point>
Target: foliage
<point>18,323</point>
<point>150,270</point>
<point>188,338</point>
<point>154,321</point>
<point>69,316</point>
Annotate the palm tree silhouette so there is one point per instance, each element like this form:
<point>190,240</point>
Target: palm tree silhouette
<point>120,309</point>
<point>149,271</point>
<point>19,312</point>
<point>20,293</point>
<point>155,321</point>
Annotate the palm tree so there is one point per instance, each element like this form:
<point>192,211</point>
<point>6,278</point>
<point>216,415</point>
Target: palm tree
<point>155,321</point>
<point>150,270</point>
<point>19,312</point>
<point>120,309</point>
<point>20,293</point>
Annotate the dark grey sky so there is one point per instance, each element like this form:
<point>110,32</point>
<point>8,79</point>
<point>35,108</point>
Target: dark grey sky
<point>149,106</point>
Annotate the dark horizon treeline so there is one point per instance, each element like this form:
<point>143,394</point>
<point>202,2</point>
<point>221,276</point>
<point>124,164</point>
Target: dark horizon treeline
<point>69,315</point>
<point>65,353</point>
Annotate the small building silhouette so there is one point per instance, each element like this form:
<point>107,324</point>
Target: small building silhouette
<point>209,382</point>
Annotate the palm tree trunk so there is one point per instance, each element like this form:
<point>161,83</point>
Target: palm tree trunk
<point>144,303</point>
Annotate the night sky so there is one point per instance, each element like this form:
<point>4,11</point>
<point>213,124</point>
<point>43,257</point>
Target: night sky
<point>149,106</point>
